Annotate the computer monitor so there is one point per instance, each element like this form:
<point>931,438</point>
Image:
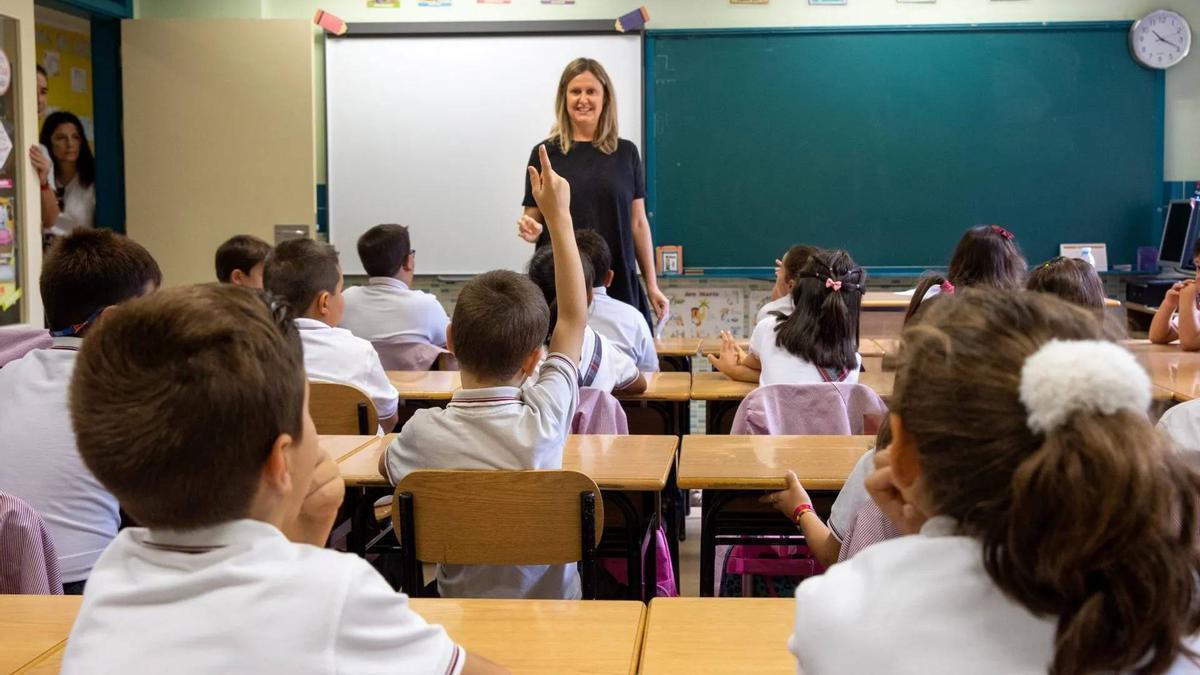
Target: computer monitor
<point>1179,235</point>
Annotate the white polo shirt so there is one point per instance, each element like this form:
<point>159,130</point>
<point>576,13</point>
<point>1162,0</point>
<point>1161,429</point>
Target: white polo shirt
<point>602,365</point>
<point>1181,423</point>
<point>335,355</point>
<point>40,462</point>
<point>852,496</point>
<point>240,597</point>
<point>496,428</point>
<point>625,327</point>
<point>387,310</point>
<point>779,366</point>
<point>782,304</point>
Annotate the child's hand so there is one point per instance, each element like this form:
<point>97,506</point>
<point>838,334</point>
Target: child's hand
<point>788,499</point>
<point>1187,294</point>
<point>730,355</point>
<point>529,229</point>
<point>777,290</point>
<point>322,499</point>
<point>905,516</point>
<point>550,190</point>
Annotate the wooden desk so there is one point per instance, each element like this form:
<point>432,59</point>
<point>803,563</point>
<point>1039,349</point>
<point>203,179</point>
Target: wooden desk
<point>725,636</point>
<point>532,637</point>
<point>423,385</point>
<point>1147,347</point>
<point>1177,372</point>
<point>732,471</point>
<point>866,346</point>
<point>341,447</point>
<point>34,627</point>
<point>676,346</point>
<point>719,387</point>
<point>663,407</point>
<point>668,386</point>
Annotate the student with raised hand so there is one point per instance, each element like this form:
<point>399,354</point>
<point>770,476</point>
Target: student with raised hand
<point>1055,530</point>
<point>817,342</point>
<point>1178,317</point>
<point>498,420</point>
<point>987,256</point>
<point>215,455</point>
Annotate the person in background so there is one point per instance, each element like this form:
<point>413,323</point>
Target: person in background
<point>43,93</point>
<point>240,261</point>
<point>67,176</point>
<point>786,272</point>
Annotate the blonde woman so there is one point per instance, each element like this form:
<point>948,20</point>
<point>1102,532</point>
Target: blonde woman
<point>608,189</point>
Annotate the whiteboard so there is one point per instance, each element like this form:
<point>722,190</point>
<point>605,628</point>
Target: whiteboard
<point>435,132</point>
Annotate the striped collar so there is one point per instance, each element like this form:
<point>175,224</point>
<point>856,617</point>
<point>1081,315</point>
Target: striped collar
<point>71,344</point>
<point>485,396</point>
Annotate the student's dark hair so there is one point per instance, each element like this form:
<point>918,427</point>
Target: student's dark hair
<point>241,252</point>
<point>299,269</point>
<point>85,166</point>
<point>822,329</point>
<point>1093,523</point>
<point>383,249</point>
<point>594,249</point>
<point>986,256</point>
<point>499,318</point>
<point>1071,279</point>
<point>541,273</point>
<point>89,270</point>
<point>183,395</point>
<point>795,259</point>
<point>42,71</point>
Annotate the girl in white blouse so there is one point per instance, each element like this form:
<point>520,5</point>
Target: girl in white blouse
<point>1051,529</point>
<point>68,181</point>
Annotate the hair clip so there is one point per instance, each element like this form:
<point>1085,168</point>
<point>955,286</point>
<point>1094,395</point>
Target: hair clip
<point>1002,232</point>
<point>835,285</point>
<point>947,288</point>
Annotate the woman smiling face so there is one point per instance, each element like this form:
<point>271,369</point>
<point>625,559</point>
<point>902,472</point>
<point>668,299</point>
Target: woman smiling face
<point>585,101</point>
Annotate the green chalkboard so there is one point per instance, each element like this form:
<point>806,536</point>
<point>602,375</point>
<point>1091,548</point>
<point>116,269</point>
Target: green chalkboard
<point>890,142</point>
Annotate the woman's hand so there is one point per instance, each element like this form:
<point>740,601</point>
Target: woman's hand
<point>659,301</point>
<point>41,163</point>
<point>790,498</point>
<point>528,229</point>
<point>904,515</point>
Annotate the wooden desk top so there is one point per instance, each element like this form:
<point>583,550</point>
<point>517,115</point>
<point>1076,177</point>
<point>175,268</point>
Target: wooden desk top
<point>725,636</point>
<point>32,627</point>
<point>866,346</point>
<point>885,300</point>
<point>431,385</point>
<point>531,637</point>
<point>676,346</point>
<point>1175,371</point>
<point>719,387</point>
<point>631,463</point>
<point>663,386</point>
<point>341,447</point>
<point>760,462</point>
<point>1148,347</point>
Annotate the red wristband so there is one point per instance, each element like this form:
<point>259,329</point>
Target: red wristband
<point>45,185</point>
<point>800,511</point>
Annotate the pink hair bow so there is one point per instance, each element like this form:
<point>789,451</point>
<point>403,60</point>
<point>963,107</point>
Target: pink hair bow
<point>835,285</point>
<point>947,288</point>
<point>1002,232</point>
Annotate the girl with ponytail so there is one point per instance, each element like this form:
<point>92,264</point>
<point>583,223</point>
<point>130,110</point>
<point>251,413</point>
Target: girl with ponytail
<point>987,256</point>
<point>1055,531</point>
<point>817,342</point>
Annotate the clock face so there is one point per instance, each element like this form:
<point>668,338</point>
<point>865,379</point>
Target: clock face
<point>1160,39</point>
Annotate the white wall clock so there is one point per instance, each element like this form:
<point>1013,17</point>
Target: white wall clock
<point>1160,39</point>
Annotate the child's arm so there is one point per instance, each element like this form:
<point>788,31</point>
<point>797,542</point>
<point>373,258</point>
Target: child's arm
<point>735,362</point>
<point>636,386</point>
<point>1189,318</point>
<point>323,497</point>
<point>821,541</point>
<point>553,196</point>
<point>1161,332</point>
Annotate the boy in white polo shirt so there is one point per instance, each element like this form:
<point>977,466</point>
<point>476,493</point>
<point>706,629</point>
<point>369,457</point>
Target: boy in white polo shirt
<point>196,408</point>
<point>387,309</point>
<point>601,364</point>
<point>618,321</point>
<point>83,274</point>
<point>307,275</point>
<point>500,323</point>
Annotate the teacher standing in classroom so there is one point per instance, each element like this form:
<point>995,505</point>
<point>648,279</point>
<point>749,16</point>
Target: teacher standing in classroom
<point>608,188</point>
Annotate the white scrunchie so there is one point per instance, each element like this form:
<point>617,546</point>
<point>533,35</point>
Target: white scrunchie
<point>1068,376</point>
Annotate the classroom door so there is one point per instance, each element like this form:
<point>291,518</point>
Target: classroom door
<point>218,135</point>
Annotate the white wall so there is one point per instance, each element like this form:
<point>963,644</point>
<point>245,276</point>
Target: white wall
<point>1182,161</point>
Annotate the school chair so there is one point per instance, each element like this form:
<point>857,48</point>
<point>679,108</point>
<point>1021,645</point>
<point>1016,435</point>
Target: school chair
<point>341,409</point>
<point>497,518</point>
<point>28,562</point>
<point>414,356</point>
<point>826,409</point>
<point>599,413</point>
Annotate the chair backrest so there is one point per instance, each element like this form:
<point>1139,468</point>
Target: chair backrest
<point>599,413</point>
<point>17,341</point>
<point>811,410</point>
<point>28,562</point>
<point>499,517</point>
<point>413,356</point>
<point>341,409</point>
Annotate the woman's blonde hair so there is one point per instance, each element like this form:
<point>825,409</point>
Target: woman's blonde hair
<point>1093,523</point>
<point>606,136</point>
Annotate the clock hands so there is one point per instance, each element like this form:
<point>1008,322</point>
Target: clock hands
<point>1162,39</point>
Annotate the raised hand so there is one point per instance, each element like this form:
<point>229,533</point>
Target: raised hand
<point>550,190</point>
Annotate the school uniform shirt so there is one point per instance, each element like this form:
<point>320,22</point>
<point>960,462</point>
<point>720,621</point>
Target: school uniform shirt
<point>779,366</point>
<point>625,327</point>
<point>336,355</point>
<point>783,304</point>
<point>240,597</point>
<point>603,366</point>
<point>40,462</point>
<point>387,310</point>
<point>512,428</point>
<point>1181,423</point>
<point>78,208</point>
<point>851,496</point>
